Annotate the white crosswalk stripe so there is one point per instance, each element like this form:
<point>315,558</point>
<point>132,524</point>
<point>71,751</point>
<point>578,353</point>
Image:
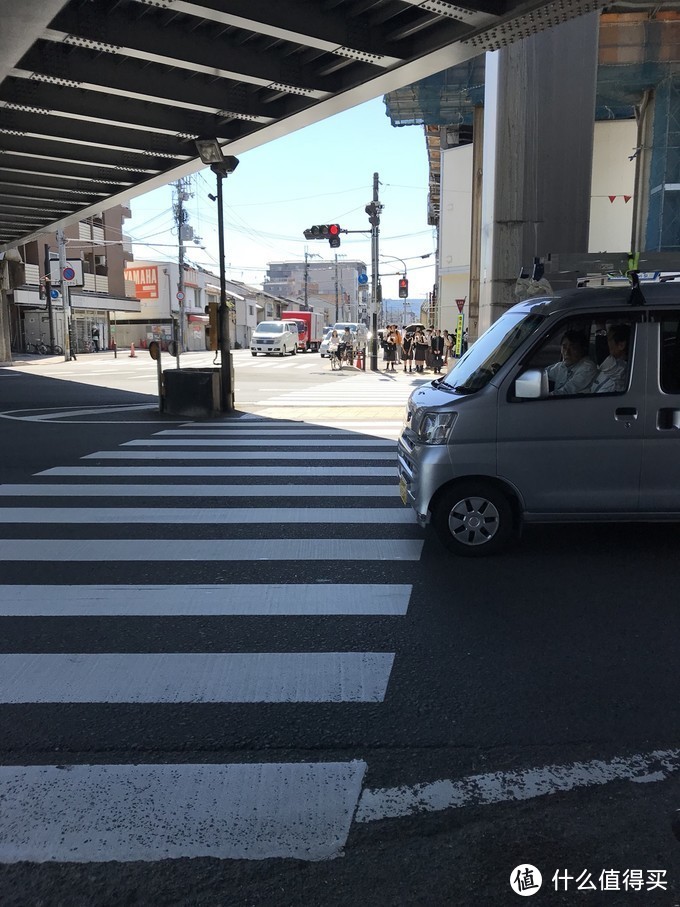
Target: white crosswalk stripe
<point>351,514</point>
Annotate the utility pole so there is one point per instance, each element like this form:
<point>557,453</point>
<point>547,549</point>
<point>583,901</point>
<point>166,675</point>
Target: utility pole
<point>181,217</point>
<point>373,210</point>
<point>306,281</point>
<point>65,298</point>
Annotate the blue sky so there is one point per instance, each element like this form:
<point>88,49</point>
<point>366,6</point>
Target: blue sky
<point>320,174</point>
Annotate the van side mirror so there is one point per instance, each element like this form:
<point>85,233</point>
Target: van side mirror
<point>531,384</point>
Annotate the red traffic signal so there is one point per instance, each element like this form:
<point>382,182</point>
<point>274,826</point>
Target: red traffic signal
<point>403,288</point>
<point>331,232</point>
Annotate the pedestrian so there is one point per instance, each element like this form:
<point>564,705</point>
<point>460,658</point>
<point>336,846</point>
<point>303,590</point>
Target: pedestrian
<point>420,348</point>
<point>390,351</point>
<point>95,338</point>
<point>399,338</point>
<point>346,339</point>
<point>428,353</point>
<point>448,347</point>
<point>407,352</point>
<point>437,348</point>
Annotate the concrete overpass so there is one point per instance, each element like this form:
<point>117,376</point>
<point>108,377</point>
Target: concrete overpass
<point>102,100</point>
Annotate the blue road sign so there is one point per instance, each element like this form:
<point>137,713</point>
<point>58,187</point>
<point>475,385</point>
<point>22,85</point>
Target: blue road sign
<point>363,278</point>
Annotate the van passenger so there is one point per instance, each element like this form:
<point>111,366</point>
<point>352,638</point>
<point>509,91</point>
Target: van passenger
<point>575,372</point>
<point>611,376</point>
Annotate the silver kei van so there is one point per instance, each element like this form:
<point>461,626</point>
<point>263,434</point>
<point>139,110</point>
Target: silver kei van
<point>566,409</point>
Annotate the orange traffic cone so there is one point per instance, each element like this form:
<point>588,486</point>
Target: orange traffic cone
<point>133,355</point>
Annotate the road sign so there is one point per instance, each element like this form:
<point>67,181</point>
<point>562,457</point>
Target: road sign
<point>363,279</point>
<point>461,304</point>
<point>55,294</point>
<point>180,295</point>
<point>68,273</point>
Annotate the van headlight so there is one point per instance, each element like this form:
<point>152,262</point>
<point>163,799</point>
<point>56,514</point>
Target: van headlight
<point>434,427</point>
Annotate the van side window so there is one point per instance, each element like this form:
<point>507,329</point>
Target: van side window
<point>669,378</point>
<point>586,355</point>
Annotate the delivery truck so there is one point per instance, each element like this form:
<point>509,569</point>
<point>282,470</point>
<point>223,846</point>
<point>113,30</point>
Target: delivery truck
<point>310,329</point>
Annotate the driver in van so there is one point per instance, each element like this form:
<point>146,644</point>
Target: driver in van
<point>574,373</point>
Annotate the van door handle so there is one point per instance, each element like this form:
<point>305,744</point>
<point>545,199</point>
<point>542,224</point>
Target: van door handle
<point>625,413</point>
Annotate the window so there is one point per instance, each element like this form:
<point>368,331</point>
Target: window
<point>585,355</point>
<point>251,310</point>
<point>669,378</point>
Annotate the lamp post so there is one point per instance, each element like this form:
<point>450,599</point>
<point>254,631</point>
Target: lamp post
<point>211,153</point>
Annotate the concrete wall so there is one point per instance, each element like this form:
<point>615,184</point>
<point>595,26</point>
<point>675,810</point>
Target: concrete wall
<point>454,232</point>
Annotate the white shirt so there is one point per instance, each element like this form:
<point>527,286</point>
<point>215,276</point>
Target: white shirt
<point>611,377</point>
<point>572,379</point>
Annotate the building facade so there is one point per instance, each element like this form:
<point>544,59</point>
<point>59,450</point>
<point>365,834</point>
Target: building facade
<point>32,301</point>
<point>329,287</point>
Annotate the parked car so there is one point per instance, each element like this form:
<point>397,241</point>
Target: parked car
<point>503,439</point>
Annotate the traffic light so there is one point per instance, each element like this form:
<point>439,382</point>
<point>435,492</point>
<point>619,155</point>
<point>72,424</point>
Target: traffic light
<point>373,212</point>
<point>403,288</point>
<point>212,311</point>
<point>331,232</point>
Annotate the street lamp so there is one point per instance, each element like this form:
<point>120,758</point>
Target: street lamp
<point>210,153</point>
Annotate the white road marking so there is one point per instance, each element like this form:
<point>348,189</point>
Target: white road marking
<point>99,813</point>
<point>206,491</point>
<point>269,443</point>
<point>241,455</point>
<point>209,516</point>
<point>259,424</point>
<point>230,600</point>
<point>205,550</point>
<point>218,471</point>
<point>501,787</point>
<point>195,677</point>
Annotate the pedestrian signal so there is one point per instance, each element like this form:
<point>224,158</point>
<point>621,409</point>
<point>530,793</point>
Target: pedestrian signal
<point>403,288</point>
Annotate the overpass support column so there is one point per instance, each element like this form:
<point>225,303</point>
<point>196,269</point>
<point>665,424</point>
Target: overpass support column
<point>538,145</point>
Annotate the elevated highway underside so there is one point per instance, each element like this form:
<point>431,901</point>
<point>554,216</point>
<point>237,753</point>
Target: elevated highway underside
<point>102,100</point>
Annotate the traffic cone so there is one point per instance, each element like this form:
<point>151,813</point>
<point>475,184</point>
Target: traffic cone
<point>132,355</point>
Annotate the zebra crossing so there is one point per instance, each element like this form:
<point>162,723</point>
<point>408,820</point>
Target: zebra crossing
<point>79,549</point>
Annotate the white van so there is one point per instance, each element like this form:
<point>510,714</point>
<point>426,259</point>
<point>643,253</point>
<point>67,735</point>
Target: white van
<point>278,337</point>
<point>567,409</point>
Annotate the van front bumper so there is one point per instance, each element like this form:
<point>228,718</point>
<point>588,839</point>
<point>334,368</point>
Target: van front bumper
<point>261,348</point>
<point>423,469</point>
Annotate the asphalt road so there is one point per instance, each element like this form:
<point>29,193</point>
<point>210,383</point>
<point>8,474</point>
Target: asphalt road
<point>531,712</point>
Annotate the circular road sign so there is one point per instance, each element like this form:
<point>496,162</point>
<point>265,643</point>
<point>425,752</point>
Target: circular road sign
<point>362,278</point>
<point>180,296</point>
<point>54,294</point>
<point>68,273</point>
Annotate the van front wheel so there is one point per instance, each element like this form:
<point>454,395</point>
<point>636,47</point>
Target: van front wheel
<point>474,519</point>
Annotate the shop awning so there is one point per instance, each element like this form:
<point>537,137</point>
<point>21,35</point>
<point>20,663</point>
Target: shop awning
<point>198,319</point>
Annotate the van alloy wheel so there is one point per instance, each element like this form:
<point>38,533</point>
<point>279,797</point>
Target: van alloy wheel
<point>474,519</point>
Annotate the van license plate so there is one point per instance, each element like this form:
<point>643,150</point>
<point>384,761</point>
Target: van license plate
<point>402,491</point>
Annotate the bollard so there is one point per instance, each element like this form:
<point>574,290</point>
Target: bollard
<point>132,355</point>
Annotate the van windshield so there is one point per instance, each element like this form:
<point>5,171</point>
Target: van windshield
<point>269,328</point>
<point>493,349</point>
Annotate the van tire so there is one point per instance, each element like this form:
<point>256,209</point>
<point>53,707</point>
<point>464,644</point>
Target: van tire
<point>252,353</point>
<point>295,350</point>
<point>474,519</point>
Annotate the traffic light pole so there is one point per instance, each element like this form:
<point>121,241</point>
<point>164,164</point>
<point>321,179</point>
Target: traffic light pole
<point>375,277</point>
